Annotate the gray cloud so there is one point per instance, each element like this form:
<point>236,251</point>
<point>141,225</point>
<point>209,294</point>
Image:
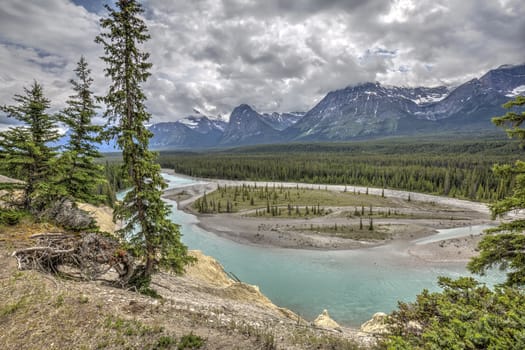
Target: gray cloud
<point>274,54</point>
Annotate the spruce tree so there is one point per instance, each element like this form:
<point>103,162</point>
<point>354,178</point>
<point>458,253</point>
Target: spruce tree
<point>507,249</point>
<point>147,228</point>
<point>82,177</point>
<point>25,150</point>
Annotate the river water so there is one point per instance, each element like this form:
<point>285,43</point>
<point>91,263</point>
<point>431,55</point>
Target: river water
<point>352,284</point>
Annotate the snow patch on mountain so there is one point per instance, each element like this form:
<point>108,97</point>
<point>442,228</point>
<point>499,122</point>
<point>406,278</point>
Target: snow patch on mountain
<point>190,123</point>
<point>518,91</point>
<point>431,98</point>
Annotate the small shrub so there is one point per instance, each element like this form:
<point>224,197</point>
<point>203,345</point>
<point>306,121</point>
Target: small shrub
<point>60,301</point>
<point>164,342</point>
<point>190,341</point>
<point>11,217</point>
<point>150,292</point>
<point>9,309</point>
<point>142,284</point>
<point>268,341</point>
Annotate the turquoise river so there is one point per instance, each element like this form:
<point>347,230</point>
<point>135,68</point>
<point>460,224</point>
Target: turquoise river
<point>351,284</point>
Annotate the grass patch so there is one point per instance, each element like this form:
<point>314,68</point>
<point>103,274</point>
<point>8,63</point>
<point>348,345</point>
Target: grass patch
<point>130,327</point>
<point>165,342</point>
<point>52,316</point>
<point>11,217</point>
<point>291,199</point>
<point>191,341</point>
<point>11,308</point>
<point>310,340</point>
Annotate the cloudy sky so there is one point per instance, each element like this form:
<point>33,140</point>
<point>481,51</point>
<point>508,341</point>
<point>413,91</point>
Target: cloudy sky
<point>276,55</point>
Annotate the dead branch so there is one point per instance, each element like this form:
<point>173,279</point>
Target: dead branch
<point>86,256</point>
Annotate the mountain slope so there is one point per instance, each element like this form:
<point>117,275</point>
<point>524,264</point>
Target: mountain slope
<point>247,127</point>
<point>372,109</point>
<point>191,132</point>
<point>363,110</point>
<point>355,112</point>
<point>281,121</point>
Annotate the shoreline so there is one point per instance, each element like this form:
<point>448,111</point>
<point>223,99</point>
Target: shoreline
<point>290,233</point>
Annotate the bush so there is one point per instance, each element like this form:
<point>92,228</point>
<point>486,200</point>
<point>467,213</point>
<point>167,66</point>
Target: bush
<point>465,315</point>
<point>11,217</point>
<point>164,342</point>
<point>191,341</point>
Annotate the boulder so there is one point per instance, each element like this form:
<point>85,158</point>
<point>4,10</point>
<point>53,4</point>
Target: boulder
<point>325,321</point>
<point>377,325</point>
<point>65,213</point>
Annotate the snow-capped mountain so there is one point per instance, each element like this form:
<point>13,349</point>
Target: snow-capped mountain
<point>194,131</point>
<point>371,109</point>
<point>281,121</point>
<point>247,127</point>
<point>360,111</point>
<point>363,110</point>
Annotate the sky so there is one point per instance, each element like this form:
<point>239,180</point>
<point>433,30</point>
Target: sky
<point>276,55</point>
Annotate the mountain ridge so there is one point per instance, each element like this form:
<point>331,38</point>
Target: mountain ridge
<point>365,110</point>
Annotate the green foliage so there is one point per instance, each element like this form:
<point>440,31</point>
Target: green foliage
<point>11,308</point>
<point>514,117</point>
<point>461,169</point>
<point>191,341</point>
<point>506,249</point>
<point>12,216</point>
<point>130,327</point>
<point>466,315</point>
<point>164,342</point>
<point>281,200</point>
<point>142,282</point>
<point>351,231</point>
<point>82,178</point>
<point>147,228</point>
<point>24,150</point>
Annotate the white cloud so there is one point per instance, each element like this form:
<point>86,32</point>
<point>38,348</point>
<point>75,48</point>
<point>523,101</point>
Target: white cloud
<point>275,55</point>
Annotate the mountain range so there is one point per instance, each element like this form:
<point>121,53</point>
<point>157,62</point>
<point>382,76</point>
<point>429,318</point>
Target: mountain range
<point>356,112</point>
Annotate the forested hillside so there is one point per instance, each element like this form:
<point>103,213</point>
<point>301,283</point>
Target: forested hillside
<point>448,167</point>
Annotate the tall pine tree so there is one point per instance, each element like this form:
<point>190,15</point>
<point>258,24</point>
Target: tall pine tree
<point>147,228</point>
<point>507,249</point>
<point>25,150</point>
<point>82,177</point>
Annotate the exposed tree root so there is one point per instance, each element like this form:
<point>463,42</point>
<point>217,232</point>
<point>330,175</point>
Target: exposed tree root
<point>86,256</point>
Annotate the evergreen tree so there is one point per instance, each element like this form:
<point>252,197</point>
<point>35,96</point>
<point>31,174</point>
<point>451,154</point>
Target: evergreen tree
<point>507,249</point>
<point>467,314</point>
<point>515,117</point>
<point>82,177</point>
<point>25,150</point>
<point>147,227</point>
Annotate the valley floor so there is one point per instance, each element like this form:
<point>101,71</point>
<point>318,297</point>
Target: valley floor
<point>418,217</point>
